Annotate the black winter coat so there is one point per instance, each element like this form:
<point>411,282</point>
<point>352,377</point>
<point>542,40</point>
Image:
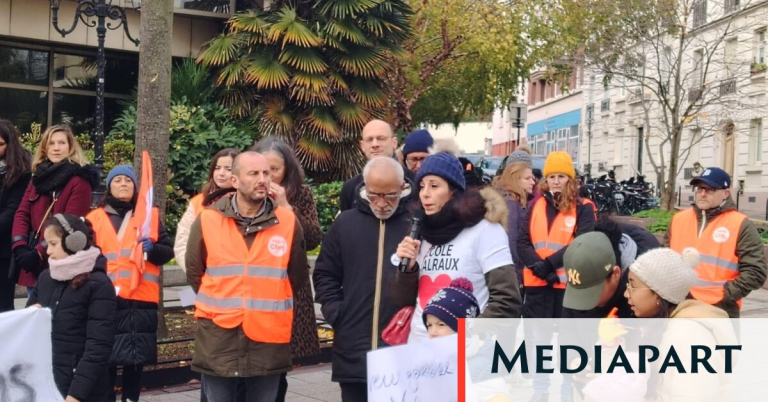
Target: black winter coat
<point>546,301</point>
<point>10,198</point>
<point>136,332</point>
<point>83,331</point>
<point>345,283</point>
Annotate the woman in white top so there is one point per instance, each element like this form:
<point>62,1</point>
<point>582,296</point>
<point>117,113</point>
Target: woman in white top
<point>218,178</point>
<point>461,236</point>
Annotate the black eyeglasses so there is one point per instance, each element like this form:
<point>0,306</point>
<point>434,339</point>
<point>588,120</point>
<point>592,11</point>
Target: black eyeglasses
<point>388,197</point>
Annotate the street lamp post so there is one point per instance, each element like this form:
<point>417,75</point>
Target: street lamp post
<point>102,10</point>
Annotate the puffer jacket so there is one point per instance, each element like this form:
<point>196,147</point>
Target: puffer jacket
<point>356,246</point>
<point>750,251</point>
<point>226,352</point>
<point>82,332</point>
<point>682,333</point>
<point>136,332</point>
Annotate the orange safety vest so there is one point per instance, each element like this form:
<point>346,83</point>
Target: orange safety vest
<point>248,287</point>
<point>120,267</point>
<point>197,204</point>
<point>718,263</point>
<point>549,242</point>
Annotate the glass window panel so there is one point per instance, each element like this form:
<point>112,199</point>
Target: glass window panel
<point>78,111</point>
<point>23,66</point>
<point>214,6</point>
<point>74,72</point>
<point>121,75</point>
<point>79,72</point>
<point>574,131</point>
<point>24,107</point>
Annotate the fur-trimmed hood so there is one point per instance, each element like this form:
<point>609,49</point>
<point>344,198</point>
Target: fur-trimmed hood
<point>448,145</point>
<point>495,208</point>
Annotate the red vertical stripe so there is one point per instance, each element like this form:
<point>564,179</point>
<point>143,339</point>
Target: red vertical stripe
<point>462,360</point>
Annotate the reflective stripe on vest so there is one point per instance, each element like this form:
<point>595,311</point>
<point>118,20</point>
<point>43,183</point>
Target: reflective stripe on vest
<point>549,241</point>
<point>718,263</point>
<point>120,267</point>
<point>244,286</point>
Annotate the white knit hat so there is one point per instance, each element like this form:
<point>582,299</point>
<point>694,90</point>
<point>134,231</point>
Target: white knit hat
<point>668,273</point>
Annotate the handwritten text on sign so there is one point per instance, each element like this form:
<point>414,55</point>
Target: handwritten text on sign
<point>26,372</point>
<point>420,372</point>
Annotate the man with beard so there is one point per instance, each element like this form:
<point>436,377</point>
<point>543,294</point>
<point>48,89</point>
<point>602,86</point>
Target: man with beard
<point>354,275</point>
<point>244,257</point>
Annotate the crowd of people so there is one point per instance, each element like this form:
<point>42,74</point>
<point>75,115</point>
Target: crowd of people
<point>524,246</point>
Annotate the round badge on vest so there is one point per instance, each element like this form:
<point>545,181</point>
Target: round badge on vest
<point>570,221</point>
<point>721,235</point>
<point>277,246</point>
<point>394,259</point>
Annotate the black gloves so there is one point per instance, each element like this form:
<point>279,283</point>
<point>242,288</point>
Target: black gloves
<point>541,269</point>
<point>28,260</point>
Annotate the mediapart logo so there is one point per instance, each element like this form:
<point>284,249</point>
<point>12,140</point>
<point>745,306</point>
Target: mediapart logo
<point>618,358</point>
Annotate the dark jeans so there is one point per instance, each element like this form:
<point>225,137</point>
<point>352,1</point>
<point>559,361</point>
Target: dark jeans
<point>282,390</point>
<point>131,382</point>
<point>224,389</point>
<point>354,391</point>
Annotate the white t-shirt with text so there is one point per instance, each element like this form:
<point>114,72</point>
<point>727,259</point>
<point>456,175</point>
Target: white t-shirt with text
<point>472,254</point>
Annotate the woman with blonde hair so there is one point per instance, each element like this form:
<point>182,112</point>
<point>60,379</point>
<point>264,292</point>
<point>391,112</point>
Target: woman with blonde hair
<point>516,185</point>
<point>62,182</point>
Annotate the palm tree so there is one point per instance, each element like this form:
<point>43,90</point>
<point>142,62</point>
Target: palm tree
<point>311,72</point>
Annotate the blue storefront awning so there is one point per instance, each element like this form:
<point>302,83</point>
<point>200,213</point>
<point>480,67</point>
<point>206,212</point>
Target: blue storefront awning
<point>564,120</point>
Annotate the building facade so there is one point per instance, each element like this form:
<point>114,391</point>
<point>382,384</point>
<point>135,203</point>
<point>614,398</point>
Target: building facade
<point>554,118</point>
<point>724,72</point>
<point>48,79</point>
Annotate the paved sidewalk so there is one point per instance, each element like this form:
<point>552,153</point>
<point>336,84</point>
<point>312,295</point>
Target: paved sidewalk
<point>307,384</point>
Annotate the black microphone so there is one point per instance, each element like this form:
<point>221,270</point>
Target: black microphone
<point>415,229</point>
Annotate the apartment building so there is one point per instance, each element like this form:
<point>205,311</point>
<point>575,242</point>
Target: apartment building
<point>47,79</point>
<point>723,75</point>
<point>554,120</point>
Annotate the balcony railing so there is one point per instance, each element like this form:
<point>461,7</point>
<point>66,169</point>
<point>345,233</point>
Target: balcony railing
<point>728,86</point>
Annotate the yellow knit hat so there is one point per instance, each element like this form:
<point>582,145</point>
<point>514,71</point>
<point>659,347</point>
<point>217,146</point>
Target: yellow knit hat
<point>559,162</point>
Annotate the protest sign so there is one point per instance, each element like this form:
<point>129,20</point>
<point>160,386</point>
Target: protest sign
<point>26,372</point>
<point>425,371</point>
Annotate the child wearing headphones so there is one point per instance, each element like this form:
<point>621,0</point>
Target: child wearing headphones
<point>83,305</point>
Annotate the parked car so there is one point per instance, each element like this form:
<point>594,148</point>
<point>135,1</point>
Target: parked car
<point>490,164</point>
<point>475,159</point>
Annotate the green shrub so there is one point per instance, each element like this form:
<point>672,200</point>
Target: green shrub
<point>327,200</point>
<point>661,219</point>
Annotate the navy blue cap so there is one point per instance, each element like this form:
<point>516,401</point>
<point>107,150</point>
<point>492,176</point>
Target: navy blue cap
<point>715,178</point>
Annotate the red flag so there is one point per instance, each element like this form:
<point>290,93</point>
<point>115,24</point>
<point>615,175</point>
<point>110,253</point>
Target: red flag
<point>142,216</point>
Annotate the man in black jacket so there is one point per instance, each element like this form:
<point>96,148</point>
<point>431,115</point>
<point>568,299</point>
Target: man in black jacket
<point>377,139</point>
<point>628,242</point>
<point>354,275</point>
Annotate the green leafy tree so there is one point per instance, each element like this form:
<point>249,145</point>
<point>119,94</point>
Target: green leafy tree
<point>465,57</point>
<point>312,73</point>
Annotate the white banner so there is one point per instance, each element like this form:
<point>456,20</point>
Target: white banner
<point>424,371</point>
<point>26,372</point>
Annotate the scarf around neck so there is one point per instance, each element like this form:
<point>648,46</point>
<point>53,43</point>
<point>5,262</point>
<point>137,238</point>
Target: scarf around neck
<point>444,226</point>
<point>79,263</point>
<point>121,207</point>
<point>50,177</point>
